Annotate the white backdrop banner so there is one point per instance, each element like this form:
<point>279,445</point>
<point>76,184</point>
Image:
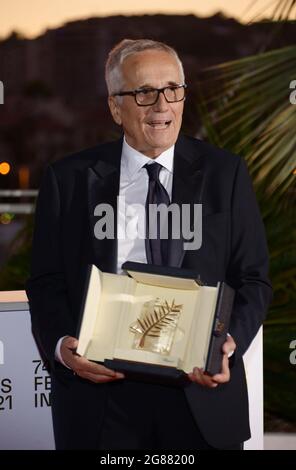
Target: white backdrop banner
<point>25,414</point>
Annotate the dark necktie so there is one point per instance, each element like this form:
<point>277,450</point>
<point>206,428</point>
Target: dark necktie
<point>156,248</point>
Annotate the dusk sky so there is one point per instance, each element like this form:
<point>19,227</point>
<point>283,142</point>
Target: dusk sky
<point>32,17</point>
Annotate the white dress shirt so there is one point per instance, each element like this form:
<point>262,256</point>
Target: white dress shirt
<point>133,193</point>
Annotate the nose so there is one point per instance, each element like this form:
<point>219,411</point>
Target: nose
<point>161,104</point>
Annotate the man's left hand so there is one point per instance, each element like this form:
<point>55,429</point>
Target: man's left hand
<point>202,378</point>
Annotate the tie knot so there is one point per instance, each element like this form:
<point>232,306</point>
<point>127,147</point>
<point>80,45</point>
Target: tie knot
<point>153,170</point>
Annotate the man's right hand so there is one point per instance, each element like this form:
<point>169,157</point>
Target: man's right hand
<point>83,367</point>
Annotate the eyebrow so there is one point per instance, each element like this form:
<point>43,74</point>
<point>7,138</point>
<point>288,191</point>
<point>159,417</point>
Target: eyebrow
<point>147,85</point>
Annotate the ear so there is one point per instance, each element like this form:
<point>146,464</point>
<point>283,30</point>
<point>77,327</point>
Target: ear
<point>115,109</point>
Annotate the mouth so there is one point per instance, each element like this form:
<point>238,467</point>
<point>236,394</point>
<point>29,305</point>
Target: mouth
<point>159,124</point>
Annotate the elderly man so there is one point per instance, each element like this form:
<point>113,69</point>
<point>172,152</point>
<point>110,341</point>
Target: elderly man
<point>98,408</point>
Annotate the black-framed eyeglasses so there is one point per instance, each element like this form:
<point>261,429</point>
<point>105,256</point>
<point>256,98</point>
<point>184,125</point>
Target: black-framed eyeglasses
<point>149,96</point>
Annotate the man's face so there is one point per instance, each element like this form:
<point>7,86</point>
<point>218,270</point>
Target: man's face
<point>149,129</point>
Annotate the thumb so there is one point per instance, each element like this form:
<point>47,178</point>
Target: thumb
<point>229,345</point>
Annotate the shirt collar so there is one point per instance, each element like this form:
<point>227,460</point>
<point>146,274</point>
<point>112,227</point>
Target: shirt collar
<point>134,160</point>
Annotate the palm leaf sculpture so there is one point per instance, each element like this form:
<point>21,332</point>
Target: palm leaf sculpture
<point>152,324</point>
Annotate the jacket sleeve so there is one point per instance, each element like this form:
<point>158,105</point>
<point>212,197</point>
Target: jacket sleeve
<point>248,265</point>
<point>46,288</point>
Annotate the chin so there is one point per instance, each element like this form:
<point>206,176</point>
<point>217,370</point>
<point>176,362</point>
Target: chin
<point>163,140</point>
<point>164,144</point>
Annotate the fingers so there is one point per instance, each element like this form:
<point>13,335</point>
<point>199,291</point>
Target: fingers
<point>202,378</point>
<point>95,372</point>
<point>198,376</point>
<point>83,367</point>
<point>100,378</point>
<point>224,376</point>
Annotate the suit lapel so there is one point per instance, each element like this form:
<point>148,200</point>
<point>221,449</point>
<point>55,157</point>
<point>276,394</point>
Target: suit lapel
<point>103,188</point>
<point>188,185</point>
<point>103,180</point>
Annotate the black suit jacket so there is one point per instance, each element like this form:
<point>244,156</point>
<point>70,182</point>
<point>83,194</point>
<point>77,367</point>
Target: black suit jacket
<point>233,249</point>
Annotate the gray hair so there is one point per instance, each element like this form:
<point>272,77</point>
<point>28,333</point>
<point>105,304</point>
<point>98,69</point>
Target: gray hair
<point>125,48</point>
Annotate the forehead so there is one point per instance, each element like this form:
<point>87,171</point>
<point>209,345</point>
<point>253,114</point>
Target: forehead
<point>151,67</point>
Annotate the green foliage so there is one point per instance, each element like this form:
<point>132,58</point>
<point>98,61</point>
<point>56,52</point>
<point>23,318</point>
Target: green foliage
<point>248,110</point>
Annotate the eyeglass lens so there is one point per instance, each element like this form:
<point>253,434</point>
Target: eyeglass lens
<point>172,94</point>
